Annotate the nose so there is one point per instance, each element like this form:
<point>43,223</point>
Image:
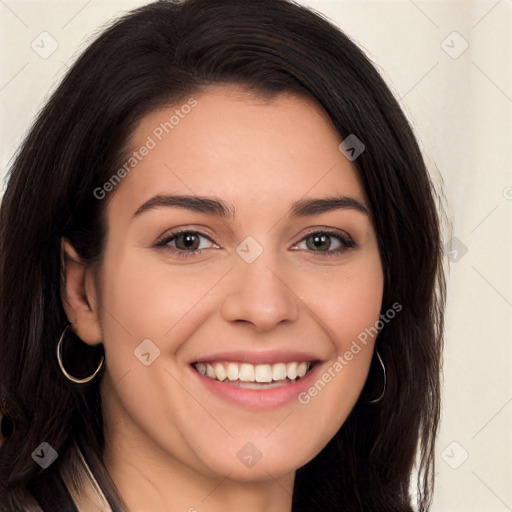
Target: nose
<point>259,296</point>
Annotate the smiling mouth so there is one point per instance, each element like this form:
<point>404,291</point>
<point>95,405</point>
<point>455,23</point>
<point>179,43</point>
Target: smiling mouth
<point>254,375</point>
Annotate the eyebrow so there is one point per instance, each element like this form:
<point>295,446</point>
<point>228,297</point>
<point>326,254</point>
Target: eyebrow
<point>219,208</point>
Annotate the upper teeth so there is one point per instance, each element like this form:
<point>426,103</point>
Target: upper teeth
<point>247,372</point>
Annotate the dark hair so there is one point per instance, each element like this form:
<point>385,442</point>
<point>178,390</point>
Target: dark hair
<point>156,56</point>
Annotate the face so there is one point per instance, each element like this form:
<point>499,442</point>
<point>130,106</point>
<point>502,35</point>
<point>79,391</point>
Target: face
<point>240,266</point>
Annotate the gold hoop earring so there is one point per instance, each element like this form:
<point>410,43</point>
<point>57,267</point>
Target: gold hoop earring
<point>381,396</point>
<point>61,364</point>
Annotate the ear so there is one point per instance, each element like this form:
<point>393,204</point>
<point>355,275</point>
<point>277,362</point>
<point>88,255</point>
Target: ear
<point>79,295</point>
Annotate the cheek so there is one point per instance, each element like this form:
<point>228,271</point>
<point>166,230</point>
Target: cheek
<point>354,307</point>
<point>148,298</point>
<point>348,301</point>
<point>349,313</point>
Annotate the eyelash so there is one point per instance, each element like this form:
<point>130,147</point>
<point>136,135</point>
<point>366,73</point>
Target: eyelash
<point>346,242</point>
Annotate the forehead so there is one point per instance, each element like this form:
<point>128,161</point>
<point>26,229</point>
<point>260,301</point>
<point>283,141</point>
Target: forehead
<point>254,152</point>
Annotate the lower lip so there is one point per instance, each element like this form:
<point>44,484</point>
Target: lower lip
<point>259,398</point>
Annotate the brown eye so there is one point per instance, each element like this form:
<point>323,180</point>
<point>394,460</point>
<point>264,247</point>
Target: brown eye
<point>187,241</point>
<point>326,243</point>
<point>318,242</point>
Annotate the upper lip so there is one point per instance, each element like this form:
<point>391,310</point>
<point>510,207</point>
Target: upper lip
<point>259,357</point>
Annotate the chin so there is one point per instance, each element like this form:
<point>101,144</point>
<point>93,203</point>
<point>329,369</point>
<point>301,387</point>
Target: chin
<point>248,464</point>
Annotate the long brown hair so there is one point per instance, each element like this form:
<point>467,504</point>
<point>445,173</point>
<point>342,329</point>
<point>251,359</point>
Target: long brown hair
<point>155,56</point>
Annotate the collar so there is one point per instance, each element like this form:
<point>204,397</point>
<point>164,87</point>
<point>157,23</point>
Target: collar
<point>78,474</point>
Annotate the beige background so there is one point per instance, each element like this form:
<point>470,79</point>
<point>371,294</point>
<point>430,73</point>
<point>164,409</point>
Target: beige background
<point>460,104</point>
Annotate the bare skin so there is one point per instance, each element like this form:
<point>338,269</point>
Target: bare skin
<point>172,443</point>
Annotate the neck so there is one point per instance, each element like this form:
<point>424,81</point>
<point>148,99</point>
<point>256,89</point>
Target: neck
<point>177,488</point>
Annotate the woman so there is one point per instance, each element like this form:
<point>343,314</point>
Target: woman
<point>221,282</point>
